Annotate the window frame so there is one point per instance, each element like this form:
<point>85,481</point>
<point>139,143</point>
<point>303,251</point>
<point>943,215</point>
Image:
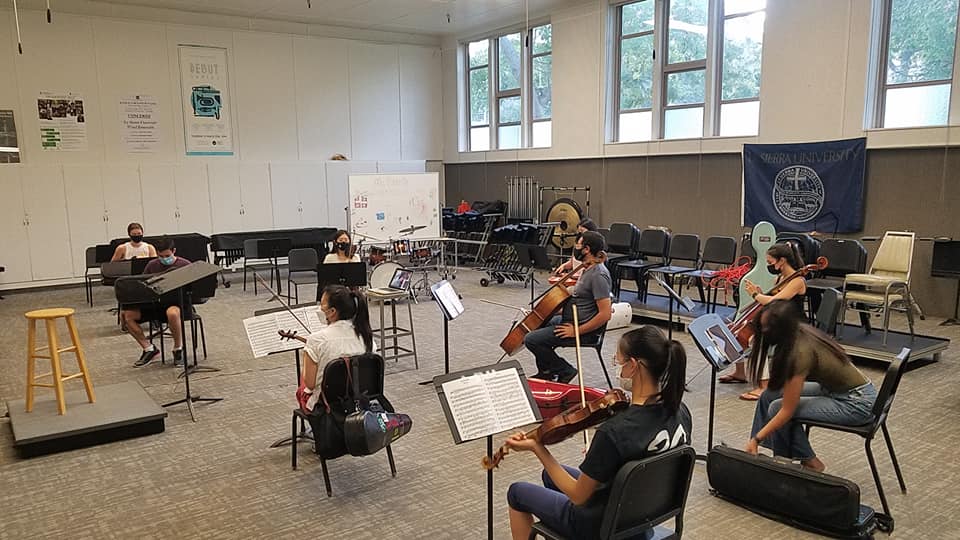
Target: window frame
<point>618,66</point>
<point>880,45</point>
<point>667,69</point>
<point>468,119</point>
<point>718,88</point>
<point>529,59</point>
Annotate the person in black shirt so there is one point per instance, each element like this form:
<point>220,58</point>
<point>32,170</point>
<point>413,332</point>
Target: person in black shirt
<point>572,501</point>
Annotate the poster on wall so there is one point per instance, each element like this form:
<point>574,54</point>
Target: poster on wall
<point>63,124</point>
<point>9,149</point>
<point>206,100</point>
<point>139,124</point>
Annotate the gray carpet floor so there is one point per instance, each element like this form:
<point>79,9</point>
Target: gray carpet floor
<point>218,477</point>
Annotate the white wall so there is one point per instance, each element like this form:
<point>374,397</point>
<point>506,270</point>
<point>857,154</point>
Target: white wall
<point>813,86</point>
<point>295,98</point>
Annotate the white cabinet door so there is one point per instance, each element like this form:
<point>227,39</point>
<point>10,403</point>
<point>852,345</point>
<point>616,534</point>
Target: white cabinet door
<point>122,198</point>
<point>159,199</point>
<point>255,197</point>
<point>193,198</point>
<point>338,188</point>
<point>225,200</point>
<point>85,210</point>
<point>285,187</point>
<point>313,196</point>
<point>13,228</point>
<point>47,228</point>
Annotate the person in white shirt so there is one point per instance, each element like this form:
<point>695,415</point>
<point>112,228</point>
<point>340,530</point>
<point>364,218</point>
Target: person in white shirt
<point>347,333</point>
<point>136,247</point>
<point>342,248</point>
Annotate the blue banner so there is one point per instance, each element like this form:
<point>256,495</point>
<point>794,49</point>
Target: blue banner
<point>805,187</point>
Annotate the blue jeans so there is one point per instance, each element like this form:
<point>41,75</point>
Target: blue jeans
<point>852,407</point>
<point>542,342</point>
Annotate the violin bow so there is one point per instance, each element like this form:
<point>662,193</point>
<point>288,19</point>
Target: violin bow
<point>583,393</point>
<point>276,296</point>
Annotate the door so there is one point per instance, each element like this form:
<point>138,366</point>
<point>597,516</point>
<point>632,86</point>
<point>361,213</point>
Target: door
<point>338,188</point>
<point>193,197</point>
<point>159,199</point>
<point>285,187</point>
<point>47,226</point>
<point>13,228</point>
<point>255,197</point>
<point>313,196</point>
<point>226,212</point>
<point>121,198</point>
<point>85,211</point>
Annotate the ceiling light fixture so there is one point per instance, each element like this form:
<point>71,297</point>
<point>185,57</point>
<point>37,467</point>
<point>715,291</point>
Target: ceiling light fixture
<point>49,17</point>
<point>16,18</point>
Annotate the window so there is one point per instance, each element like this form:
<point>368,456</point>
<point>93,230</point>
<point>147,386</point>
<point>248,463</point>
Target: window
<point>519,90</point>
<point>914,64</point>
<point>673,94</point>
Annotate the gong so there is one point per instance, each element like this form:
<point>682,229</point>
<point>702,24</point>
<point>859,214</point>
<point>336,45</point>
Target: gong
<point>567,213</point>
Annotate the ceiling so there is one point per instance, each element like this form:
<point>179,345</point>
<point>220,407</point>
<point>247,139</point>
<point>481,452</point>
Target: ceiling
<point>411,16</point>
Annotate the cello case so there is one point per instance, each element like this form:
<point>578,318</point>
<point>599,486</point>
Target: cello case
<point>553,398</point>
<point>762,238</point>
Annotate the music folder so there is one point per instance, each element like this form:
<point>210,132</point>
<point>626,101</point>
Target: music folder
<point>181,277</point>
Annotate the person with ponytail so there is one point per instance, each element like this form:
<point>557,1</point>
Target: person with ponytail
<point>811,378</point>
<point>783,261</point>
<point>347,333</point>
<point>571,501</point>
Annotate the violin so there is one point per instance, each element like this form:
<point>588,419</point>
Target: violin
<point>743,327</point>
<point>550,301</point>
<point>568,423</point>
<point>291,335</point>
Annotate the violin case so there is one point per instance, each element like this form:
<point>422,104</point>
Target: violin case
<point>788,493</point>
<point>553,398</point>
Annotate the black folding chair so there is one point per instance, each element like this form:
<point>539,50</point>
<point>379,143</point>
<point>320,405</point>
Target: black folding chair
<point>644,494</point>
<point>597,345</point>
<point>684,248</point>
<point>718,251</point>
<point>302,266</point>
<point>829,311</point>
<point>653,244</point>
<point>881,409</point>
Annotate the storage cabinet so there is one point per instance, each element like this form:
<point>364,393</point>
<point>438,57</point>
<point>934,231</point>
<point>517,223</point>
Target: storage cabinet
<point>176,198</point>
<point>240,196</point>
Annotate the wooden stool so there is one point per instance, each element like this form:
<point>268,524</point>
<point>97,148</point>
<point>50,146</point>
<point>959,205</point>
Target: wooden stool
<point>50,316</point>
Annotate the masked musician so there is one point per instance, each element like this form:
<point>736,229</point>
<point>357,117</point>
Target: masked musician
<point>811,378</point>
<point>136,247</point>
<point>783,261</point>
<point>342,248</point>
<point>586,224</point>
<point>572,501</point>
<point>591,295</point>
<point>347,333</point>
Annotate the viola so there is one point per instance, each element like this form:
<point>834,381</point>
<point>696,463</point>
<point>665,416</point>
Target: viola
<point>288,334</point>
<point>743,327</point>
<point>568,423</point>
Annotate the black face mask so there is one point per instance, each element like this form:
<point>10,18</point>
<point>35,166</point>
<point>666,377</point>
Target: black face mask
<point>343,246</point>
<point>578,254</point>
<point>136,238</point>
<point>772,269</point>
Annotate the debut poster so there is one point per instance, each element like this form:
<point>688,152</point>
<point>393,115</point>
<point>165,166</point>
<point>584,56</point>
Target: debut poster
<point>206,101</point>
<point>9,148</point>
<point>63,123</point>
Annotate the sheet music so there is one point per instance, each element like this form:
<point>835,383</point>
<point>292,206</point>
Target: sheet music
<point>486,403</point>
<point>262,331</point>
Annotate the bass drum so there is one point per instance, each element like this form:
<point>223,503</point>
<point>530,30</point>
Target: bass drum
<point>568,214</point>
<point>382,274</point>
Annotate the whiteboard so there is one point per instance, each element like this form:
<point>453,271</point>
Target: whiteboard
<point>387,206</point>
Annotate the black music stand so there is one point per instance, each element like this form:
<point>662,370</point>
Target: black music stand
<point>946,264</point>
<point>273,249</point>
<point>139,264</point>
<point>448,300</point>
<point>673,296</point>
<point>352,274</point>
<point>303,435</point>
<point>460,408</point>
<point>531,257</point>
<point>721,349</point>
<point>180,281</point>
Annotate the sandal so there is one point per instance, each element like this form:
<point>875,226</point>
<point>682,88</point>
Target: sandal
<point>730,379</point>
<point>752,395</point>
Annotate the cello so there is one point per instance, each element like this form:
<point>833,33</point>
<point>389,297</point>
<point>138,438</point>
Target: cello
<point>743,327</point>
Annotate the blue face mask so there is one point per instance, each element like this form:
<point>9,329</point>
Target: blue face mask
<point>167,261</point>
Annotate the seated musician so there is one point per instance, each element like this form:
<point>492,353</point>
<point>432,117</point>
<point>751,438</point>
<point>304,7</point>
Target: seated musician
<point>783,261</point>
<point>342,248</point>
<point>811,378</point>
<point>591,295</point>
<point>586,224</point>
<point>136,247</point>
<point>572,501</point>
<point>347,333</point>
<point>166,309</point>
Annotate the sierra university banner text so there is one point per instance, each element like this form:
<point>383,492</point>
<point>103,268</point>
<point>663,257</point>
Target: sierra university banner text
<point>805,187</point>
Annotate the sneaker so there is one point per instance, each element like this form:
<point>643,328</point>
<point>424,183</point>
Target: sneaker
<point>542,375</point>
<point>178,357</point>
<point>146,357</point>
<point>566,376</point>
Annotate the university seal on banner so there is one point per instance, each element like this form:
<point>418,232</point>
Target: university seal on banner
<point>798,193</point>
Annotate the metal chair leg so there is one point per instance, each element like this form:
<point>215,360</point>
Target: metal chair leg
<point>876,478</point>
<point>293,438</point>
<point>893,457</point>
<point>203,336</point>
<point>326,476</point>
<point>603,365</point>
<point>393,465</point>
